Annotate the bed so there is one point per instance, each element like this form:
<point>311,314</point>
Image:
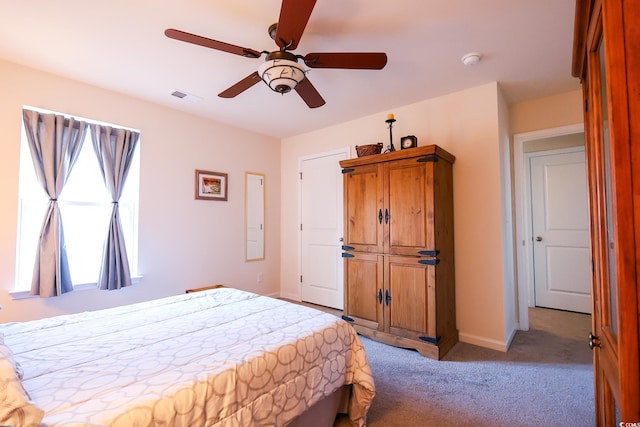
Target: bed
<point>220,357</point>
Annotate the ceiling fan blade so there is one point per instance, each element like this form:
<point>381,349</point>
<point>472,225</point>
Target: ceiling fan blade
<point>309,94</point>
<point>353,60</point>
<point>294,15</point>
<point>241,86</point>
<point>210,43</point>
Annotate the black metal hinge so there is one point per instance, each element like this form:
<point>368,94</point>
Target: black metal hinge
<point>429,261</point>
<point>347,318</point>
<point>347,255</point>
<point>429,253</point>
<point>430,340</point>
<point>347,248</point>
<point>347,170</point>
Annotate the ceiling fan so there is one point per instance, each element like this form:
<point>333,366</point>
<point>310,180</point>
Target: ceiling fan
<point>281,70</point>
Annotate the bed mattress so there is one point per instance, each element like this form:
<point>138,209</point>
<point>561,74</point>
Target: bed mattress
<point>221,357</point>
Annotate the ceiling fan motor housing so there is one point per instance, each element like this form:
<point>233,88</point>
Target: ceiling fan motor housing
<point>281,71</point>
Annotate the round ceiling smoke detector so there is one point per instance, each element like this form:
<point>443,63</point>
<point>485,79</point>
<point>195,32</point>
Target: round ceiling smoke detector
<point>471,58</point>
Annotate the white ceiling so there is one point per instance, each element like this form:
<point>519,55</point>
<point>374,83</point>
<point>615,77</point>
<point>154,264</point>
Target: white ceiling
<point>120,45</point>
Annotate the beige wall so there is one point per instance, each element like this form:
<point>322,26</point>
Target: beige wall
<point>545,113</point>
<point>182,242</point>
<point>466,124</point>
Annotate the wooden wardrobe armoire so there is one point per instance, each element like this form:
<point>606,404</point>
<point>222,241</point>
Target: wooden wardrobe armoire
<point>606,58</point>
<point>398,248</point>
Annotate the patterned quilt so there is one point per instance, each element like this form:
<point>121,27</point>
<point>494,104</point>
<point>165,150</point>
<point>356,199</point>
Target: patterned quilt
<point>221,357</point>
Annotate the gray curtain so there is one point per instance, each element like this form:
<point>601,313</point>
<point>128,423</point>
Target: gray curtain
<point>55,143</point>
<point>114,148</point>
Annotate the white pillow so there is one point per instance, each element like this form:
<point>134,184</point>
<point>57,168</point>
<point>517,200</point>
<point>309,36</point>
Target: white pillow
<point>16,408</point>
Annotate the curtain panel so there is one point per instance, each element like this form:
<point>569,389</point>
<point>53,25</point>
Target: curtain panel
<point>114,148</point>
<point>54,142</point>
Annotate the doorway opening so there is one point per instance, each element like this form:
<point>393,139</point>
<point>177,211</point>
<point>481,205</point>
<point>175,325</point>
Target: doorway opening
<point>563,138</point>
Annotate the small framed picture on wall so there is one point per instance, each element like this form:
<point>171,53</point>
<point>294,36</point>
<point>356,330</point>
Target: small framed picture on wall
<point>211,185</point>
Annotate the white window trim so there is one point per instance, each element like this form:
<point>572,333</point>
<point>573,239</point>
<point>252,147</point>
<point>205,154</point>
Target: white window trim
<point>16,295</point>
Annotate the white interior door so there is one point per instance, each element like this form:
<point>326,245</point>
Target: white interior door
<point>321,230</point>
<point>560,228</point>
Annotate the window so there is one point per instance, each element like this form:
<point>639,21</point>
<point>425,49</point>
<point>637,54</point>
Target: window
<point>85,207</point>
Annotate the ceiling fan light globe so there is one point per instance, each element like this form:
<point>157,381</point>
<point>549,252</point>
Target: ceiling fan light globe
<point>282,89</point>
<point>281,75</point>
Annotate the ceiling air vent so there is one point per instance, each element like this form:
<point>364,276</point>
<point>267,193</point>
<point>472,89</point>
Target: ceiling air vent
<point>186,96</point>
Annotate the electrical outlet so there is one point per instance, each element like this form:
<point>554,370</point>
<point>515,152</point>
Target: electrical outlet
<point>260,278</point>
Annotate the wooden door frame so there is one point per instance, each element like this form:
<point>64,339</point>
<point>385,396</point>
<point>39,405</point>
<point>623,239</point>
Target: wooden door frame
<point>524,251</point>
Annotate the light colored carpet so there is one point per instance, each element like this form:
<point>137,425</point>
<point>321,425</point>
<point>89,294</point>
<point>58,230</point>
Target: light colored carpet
<point>545,379</point>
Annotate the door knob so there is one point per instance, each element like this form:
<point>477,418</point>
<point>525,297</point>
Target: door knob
<point>538,239</point>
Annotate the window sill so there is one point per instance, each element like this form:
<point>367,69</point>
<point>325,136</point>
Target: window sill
<point>16,295</point>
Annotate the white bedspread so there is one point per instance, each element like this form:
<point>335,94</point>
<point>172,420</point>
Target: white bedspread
<point>221,357</point>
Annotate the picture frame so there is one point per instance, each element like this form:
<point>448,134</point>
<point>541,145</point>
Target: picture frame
<point>211,185</point>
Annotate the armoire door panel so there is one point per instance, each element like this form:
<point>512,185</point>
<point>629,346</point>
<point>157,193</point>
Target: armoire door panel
<point>363,289</point>
<point>405,198</point>
<point>363,208</point>
<point>408,286</point>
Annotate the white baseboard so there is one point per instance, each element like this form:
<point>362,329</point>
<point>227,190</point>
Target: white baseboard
<point>484,342</point>
<point>289,296</point>
<point>273,295</point>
